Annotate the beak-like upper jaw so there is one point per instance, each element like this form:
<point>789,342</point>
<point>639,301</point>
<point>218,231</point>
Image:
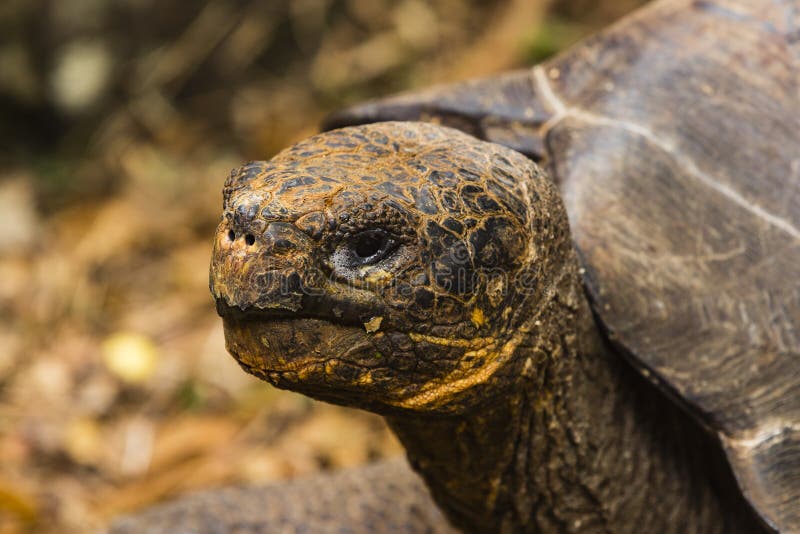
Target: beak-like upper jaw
<point>276,274</point>
<point>271,269</point>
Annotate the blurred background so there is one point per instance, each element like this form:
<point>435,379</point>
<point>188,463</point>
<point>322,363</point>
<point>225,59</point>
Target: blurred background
<point>119,121</point>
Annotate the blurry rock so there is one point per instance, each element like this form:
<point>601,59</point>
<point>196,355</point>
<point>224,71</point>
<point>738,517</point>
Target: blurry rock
<point>81,75</point>
<point>18,217</point>
<point>130,356</point>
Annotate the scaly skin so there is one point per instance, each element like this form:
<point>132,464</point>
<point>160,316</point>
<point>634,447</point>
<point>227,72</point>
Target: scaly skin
<point>385,497</point>
<point>468,329</point>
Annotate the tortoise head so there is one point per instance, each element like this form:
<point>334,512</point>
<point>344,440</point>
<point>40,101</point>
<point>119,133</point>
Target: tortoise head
<point>391,266</point>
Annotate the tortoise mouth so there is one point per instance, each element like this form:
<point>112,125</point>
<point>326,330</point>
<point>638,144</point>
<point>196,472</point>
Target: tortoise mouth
<point>320,358</point>
<point>347,364</point>
<point>254,314</point>
<point>270,341</point>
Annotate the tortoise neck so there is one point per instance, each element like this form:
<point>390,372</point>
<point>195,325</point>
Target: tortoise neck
<point>581,444</point>
<point>465,461</point>
<point>477,464</point>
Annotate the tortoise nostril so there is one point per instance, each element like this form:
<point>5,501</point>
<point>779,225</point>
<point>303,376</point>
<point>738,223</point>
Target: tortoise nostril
<point>249,239</point>
<point>231,235</point>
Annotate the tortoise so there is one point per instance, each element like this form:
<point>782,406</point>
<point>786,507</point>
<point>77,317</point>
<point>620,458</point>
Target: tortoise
<point>571,290</point>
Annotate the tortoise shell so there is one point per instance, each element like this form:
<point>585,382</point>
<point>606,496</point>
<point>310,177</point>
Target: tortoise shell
<point>674,137</point>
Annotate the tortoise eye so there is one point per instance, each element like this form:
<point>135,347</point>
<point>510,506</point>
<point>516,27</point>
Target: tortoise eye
<point>371,246</point>
<point>362,250</point>
<point>368,244</point>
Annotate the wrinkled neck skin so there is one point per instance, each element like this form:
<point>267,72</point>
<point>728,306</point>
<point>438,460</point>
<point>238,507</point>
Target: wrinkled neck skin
<point>580,445</point>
